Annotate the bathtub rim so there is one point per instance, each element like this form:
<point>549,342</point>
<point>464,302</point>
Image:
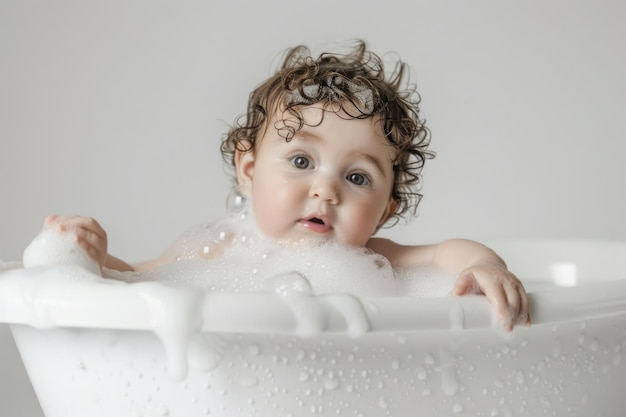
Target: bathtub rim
<point>268,312</point>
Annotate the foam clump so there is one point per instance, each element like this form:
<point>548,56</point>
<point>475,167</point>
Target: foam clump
<point>53,248</point>
<point>233,256</point>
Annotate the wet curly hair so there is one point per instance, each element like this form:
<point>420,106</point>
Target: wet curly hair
<point>356,83</point>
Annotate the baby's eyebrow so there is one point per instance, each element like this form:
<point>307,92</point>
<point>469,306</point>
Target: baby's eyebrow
<point>375,161</point>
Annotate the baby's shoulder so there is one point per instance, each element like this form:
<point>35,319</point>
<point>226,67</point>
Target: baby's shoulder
<point>401,256</point>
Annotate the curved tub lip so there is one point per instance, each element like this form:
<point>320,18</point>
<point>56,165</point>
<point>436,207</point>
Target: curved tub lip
<point>106,304</point>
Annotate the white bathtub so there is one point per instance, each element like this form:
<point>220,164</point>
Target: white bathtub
<point>120,349</point>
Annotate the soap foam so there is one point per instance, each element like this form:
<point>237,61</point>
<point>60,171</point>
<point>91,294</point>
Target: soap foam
<point>51,248</point>
<point>233,256</point>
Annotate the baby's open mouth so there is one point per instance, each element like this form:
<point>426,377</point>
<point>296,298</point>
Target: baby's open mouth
<point>316,224</point>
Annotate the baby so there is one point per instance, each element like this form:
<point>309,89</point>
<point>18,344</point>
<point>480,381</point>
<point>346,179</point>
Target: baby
<point>330,150</point>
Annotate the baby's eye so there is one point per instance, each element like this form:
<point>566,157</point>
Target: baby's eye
<point>358,179</point>
<point>301,162</point>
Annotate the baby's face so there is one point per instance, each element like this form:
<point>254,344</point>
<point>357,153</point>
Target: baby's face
<point>331,182</point>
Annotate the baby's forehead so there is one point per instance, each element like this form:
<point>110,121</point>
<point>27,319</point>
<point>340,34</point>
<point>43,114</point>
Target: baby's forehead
<point>298,117</point>
<point>307,121</point>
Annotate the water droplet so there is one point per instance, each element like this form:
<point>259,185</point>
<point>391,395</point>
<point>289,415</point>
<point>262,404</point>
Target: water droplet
<point>457,408</point>
<point>248,382</point>
<point>331,383</point>
<point>595,346</point>
<point>383,403</point>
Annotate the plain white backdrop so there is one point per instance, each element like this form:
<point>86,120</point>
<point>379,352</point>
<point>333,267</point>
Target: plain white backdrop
<point>116,109</point>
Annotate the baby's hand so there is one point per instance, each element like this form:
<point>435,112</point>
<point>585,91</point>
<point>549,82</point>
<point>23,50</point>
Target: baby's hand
<point>87,233</point>
<point>505,292</point>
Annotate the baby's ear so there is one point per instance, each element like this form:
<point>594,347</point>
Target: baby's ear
<point>390,210</point>
<point>244,166</point>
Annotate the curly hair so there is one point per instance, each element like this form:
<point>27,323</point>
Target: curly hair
<point>355,83</point>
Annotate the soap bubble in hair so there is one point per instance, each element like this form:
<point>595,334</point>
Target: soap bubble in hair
<point>236,201</point>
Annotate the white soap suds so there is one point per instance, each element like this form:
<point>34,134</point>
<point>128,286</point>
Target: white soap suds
<point>232,256</point>
<point>51,248</point>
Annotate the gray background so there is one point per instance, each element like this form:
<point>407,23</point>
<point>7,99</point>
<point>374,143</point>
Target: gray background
<point>115,110</point>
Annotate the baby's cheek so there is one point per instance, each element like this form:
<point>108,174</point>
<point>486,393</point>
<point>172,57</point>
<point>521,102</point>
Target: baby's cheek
<point>363,224</point>
<point>267,217</point>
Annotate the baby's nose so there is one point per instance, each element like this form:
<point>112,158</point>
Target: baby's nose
<point>325,189</point>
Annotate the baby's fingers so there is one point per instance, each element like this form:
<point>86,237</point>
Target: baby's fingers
<point>503,290</point>
<point>50,220</point>
<point>86,232</point>
<point>524,314</point>
<point>94,241</point>
<point>512,305</point>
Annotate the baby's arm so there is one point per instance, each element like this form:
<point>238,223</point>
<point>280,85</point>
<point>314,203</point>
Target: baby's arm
<point>479,270</point>
<point>93,238</point>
